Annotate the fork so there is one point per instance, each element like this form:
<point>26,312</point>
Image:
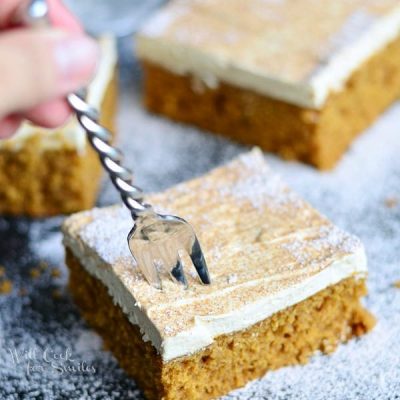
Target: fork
<point>155,239</point>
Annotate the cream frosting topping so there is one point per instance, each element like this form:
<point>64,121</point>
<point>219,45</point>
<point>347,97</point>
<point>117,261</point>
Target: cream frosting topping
<point>266,248</point>
<point>71,135</point>
<point>296,51</point>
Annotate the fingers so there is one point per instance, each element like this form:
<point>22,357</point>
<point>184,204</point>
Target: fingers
<point>40,66</point>
<point>7,12</point>
<point>59,15</point>
<point>68,65</point>
<point>62,18</point>
<point>50,114</point>
<point>9,125</point>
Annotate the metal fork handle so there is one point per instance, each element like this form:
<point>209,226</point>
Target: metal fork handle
<point>111,157</point>
<point>35,13</point>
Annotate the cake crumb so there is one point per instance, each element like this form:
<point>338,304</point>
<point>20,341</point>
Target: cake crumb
<point>35,273</point>
<point>55,273</point>
<point>56,294</point>
<point>391,202</point>
<point>43,265</point>
<point>396,284</point>
<point>6,286</point>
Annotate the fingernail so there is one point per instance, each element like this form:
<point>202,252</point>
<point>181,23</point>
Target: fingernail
<point>76,58</point>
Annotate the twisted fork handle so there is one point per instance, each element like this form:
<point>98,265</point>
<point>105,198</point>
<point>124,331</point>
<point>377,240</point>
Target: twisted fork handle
<point>111,157</point>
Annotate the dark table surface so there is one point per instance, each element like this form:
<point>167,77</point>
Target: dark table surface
<point>48,352</point>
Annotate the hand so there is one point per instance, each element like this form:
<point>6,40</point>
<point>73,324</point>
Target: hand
<point>39,67</point>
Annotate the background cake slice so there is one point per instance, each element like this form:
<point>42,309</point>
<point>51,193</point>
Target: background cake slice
<point>293,77</point>
<point>46,172</point>
<point>285,283</point>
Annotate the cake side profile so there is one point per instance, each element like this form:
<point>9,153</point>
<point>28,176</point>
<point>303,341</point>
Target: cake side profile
<point>285,283</point>
<point>48,172</point>
<point>244,69</point>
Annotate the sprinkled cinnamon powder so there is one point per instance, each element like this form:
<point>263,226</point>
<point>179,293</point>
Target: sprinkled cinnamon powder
<point>56,294</point>
<point>35,273</point>
<point>6,286</point>
<point>43,265</point>
<point>55,273</point>
<point>391,202</point>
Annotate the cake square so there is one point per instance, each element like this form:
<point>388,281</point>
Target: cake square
<point>286,283</point>
<point>297,77</point>
<point>46,172</point>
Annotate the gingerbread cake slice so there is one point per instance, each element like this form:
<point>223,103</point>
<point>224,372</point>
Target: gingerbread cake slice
<point>46,172</point>
<point>298,77</point>
<point>286,283</point>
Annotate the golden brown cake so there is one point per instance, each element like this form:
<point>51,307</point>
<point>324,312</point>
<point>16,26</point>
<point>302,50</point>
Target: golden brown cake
<point>46,172</point>
<point>285,283</point>
<point>296,77</point>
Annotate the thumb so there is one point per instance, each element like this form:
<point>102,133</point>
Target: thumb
<point>37,66</point>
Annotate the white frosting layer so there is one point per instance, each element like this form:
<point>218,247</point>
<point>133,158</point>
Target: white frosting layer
<point>184,51</point>
<point>71,134</point>
<point>206,329</point>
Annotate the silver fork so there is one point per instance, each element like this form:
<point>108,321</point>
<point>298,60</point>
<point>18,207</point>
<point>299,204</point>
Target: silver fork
<point>155,240</point>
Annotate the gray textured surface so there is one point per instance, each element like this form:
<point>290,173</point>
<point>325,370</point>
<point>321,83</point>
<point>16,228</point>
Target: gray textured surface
<point>121,17</point>
<point>359,195</point>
